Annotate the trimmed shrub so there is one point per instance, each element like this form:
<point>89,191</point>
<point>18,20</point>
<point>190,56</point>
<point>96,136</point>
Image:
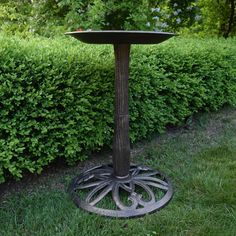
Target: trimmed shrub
<point>57,95</point>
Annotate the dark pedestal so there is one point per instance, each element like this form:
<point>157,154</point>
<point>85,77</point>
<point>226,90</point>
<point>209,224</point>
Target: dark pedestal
<point>120,189</point>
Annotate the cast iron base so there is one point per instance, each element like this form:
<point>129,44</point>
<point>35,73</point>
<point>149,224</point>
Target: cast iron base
<point>143,191</point>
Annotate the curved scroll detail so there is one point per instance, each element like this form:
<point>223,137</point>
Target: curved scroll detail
<point>144,191</point>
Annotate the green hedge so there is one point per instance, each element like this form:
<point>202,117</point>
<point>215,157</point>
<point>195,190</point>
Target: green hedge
<point>57,95</point>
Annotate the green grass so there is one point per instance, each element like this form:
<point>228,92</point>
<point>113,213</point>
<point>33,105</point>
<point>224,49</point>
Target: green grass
<point>200,159</point>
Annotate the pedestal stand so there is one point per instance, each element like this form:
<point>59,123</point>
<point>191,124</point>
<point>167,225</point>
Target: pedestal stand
<point>121,189</point>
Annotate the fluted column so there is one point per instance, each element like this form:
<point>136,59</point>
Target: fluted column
<point>121,142</point>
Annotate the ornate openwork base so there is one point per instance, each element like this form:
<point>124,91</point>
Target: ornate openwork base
<point>143,191</point>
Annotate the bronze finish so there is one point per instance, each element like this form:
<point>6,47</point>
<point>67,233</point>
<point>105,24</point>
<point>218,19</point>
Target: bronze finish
<point>135,190</point>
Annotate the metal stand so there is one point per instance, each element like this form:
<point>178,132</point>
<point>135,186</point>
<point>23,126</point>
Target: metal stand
<point>135,190</point>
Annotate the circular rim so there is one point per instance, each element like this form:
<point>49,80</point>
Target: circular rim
<point>119,32</point>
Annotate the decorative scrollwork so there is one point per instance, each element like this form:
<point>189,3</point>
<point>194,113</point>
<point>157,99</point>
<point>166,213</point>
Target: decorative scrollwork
<point>144,191</point>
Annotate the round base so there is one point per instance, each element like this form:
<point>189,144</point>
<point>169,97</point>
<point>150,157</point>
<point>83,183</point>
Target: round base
<point>143,191</point>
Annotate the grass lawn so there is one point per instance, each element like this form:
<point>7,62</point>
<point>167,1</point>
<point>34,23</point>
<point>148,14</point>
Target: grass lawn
<point>199,158</point>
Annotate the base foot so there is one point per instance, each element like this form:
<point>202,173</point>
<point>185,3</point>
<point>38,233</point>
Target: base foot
<point>142,192</point>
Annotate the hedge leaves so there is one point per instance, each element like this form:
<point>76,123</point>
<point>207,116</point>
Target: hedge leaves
<point>56,96</point>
